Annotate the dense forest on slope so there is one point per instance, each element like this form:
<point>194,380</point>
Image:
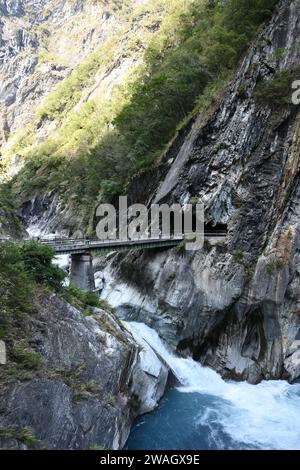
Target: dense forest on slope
<point>102,143</point>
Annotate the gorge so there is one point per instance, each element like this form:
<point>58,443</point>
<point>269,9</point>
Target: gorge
<point>175,102</point>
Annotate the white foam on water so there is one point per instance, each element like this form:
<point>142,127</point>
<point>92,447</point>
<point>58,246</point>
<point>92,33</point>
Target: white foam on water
<point>62,261</point>
<point>266,415</point>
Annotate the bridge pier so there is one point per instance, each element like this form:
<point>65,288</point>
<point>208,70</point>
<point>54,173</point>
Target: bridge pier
<point>82,272</point>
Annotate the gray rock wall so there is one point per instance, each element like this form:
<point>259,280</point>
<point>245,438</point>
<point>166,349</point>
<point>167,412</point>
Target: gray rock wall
<point>234,306</point>
<point>92,383</point>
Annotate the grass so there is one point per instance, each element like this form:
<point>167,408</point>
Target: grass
<point>111,400</point>
<point>277,91</point>
<point>25,435</point>
<point>25,357</point>
<point>74,379</point>
<point>83,391</point>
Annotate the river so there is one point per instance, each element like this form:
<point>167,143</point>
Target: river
<point>207,412</point>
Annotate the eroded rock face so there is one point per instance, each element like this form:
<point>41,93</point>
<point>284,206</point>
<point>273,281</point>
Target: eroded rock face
<point>40,45</point>
<point>234,306</point>
<point>92,384</point>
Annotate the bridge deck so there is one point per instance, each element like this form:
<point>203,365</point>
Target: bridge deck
<point>80,246</point>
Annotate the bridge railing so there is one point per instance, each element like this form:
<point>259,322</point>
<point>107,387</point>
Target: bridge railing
<point>93,242</point>
<point>85,243</point>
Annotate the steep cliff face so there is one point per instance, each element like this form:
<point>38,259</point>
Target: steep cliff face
<point>40,44</point>
<point>80,385</point>
<point>233,305</point>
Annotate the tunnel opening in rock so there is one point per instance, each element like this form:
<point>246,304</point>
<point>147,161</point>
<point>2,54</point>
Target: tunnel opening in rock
<point>215,228</point>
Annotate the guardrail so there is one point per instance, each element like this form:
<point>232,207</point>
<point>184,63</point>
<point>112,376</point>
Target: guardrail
<point>81,244</point>
<point>84,241</point>
<point>71,245</point>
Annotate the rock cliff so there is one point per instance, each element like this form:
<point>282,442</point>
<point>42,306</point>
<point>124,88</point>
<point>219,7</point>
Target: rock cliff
<point>40,45</point>
<point>81,384</point>
<point>233,305</point>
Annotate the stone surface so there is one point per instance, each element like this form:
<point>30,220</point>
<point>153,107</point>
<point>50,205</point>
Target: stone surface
<point>40,44</point>
<point>92,384</point>
<point>233,306</point>
<point>150,378</point>
<point>2,353</point>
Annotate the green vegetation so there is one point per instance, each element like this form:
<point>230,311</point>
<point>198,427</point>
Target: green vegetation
<point>239,255</point>
<point>7,200</point>
<point>74,379</point>
<point>37,261</point>
<point>274,265</point>
<point>84,300</point>
<point>82,391</point>
<point>276,92</point>
<point>15,288</point>
<point>25,357</point>
<point>48,57</point>
<point>249,263</point>
<point>187,62</point>
<point>181,248</point>
<point>249,272</point>
<point>96,447</point>
<point>69,92</point>
<point>81,298</point>
<point>25,435</point>
<point>24,269</point>
<point>23,266</point>
<point>111,400</point>
<point>8,206</point>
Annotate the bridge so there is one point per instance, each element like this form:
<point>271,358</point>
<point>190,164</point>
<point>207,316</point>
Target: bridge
<point>81,246</point>
<point>81,250</point>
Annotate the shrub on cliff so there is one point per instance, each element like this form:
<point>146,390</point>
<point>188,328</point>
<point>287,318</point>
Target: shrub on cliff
<point>15,287</point>
<point>22,267</point>
<point>277,92</point>
<point>37,260</point>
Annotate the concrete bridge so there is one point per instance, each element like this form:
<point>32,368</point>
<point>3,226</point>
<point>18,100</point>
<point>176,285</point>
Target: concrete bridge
<point>82,273</point>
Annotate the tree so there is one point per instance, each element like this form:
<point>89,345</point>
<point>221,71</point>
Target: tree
<point>37,260</point>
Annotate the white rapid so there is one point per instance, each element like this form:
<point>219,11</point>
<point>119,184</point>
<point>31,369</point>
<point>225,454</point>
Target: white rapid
<point>265,416</point>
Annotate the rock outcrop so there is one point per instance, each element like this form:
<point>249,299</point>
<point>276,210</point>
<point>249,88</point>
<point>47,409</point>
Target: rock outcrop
<point>92,381</point>
<point>40,45</point>
<point>233,305</point>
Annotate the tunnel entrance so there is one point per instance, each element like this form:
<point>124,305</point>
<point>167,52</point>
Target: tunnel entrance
<point>215,229</point>
<point>210,229</point>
